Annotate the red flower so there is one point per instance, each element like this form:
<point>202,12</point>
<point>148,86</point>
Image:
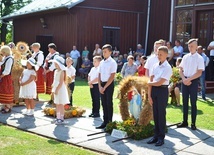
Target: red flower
<point>67,107</point>
<point>130,95</point>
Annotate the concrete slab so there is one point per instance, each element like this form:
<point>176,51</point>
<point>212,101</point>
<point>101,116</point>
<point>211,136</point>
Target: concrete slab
<point>178,140</point>
<point>188,133</point>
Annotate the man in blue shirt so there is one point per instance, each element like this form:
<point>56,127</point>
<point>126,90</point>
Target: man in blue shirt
<point>140,51</point>
<point>178,51</point>
<point>75,54</point>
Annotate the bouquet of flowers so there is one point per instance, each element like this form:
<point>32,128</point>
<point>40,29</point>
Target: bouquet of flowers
<point>175,75</point>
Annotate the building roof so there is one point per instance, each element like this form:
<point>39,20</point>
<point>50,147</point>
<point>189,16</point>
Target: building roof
<point>42,5</point>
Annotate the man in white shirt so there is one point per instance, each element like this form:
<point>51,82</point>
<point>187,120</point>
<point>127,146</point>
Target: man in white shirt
<point>158,94</point>
<point>178,51</point>
<point>211,48</point>
<point>152,59</point>
<point>75,54</point>
<point>107,71</point>
<point>191,68</point>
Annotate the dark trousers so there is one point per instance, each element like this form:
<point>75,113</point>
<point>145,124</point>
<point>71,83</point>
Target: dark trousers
<point>107,102</point>
<point>160,99</point>
<point>190,91</point>
<point>211,67</point>
<point>71,87</point>
<point>95,96</point>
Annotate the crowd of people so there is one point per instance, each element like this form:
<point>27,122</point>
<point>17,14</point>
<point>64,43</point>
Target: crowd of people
<point>55,75</point>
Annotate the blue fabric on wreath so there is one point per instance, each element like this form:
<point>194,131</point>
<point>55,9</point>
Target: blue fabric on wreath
<point>135,106</point>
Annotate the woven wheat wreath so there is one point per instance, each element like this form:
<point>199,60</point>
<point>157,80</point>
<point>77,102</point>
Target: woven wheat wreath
<point>140,84</point>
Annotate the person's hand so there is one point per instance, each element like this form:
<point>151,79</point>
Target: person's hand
<point>21,84</point>
<point>150,101</point>
<point>91,86</point>
<point>101,89</point>
<point>187,81</point>
<point>149,83</point>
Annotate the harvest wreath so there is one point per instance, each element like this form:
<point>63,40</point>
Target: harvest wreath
<point>136,121</point>
<point>69,111</point>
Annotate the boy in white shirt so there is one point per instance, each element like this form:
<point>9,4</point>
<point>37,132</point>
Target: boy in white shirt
<point>71,73</point>
<point>107,71</point>
<point>94,88</point>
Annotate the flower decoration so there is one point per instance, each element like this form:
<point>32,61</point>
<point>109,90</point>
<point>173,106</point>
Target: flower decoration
<point>175,75</point>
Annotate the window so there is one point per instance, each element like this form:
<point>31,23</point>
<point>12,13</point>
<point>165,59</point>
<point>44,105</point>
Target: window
<point>184,25</point>
<point>204,1</point>
<point>184,2</point>
<point>111,35</point>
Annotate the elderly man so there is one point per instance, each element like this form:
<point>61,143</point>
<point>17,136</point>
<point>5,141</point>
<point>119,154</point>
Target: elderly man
<point>140,51</point>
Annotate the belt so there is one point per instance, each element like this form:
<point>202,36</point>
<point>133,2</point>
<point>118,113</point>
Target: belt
<point>162,86</point>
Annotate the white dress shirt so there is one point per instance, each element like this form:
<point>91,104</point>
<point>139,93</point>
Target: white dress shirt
<point>212,51</point>
<point>93,74</point>
<point>8,65</point>
<point>107,67</point>
<point>150,62</point>
<point>40,58</point>
<point>191,63</point>
<point>71,71</point>
<point>163,71</point>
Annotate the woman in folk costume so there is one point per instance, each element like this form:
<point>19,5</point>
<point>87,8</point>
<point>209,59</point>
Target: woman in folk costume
<point>39,57</point>
<point>6,84</point>
<point>49,68</point>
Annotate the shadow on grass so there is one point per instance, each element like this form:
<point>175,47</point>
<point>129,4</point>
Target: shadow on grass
<point>208,102</point>
<point>51,141</point>
<point>170,106</point>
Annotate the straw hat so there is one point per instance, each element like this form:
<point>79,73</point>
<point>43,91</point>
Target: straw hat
<point>60,61</point>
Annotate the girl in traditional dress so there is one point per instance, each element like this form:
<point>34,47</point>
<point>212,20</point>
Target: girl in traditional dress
<point>39,57</point>
<point>59,88</point>
<point>49,68</point>
<point>28,86</point>
<point>6,84</point>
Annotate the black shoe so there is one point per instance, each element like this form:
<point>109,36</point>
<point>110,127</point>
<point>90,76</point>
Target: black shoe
<point>159,142</point>
<point>102,126</point>
<point>182,125</point>
<point>153,140</point>
<point>193,127</point>
<point>91,115</point>
<point>96,115</point>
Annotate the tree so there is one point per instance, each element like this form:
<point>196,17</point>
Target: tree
<point>7,7</point>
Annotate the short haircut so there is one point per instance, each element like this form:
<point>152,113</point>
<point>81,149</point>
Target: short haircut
<point>158,42</point>
<point>200,47</point>
<point>52,45</point>
<point>192,40</point>
<point>130,57</point>
<point>69,58</point>
<point>179,59</point>
<point>107,46</point>
<point>36,45</point>
<point>163,48</point>
<point>144,57</point>
<point>178,41</point>
<point>99,58</point>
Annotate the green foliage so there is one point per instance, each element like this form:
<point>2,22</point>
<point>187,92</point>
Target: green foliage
<point>7,7</point>
<point>132,129</point>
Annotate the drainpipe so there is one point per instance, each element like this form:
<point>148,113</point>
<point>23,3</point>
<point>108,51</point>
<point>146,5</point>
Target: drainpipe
<point>171,20</point>
<point>147,26</point>
<point>138,25</point>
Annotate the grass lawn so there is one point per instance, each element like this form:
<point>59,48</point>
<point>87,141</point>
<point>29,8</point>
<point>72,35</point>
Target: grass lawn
<point>17,142</point>
<point>205,115</point>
